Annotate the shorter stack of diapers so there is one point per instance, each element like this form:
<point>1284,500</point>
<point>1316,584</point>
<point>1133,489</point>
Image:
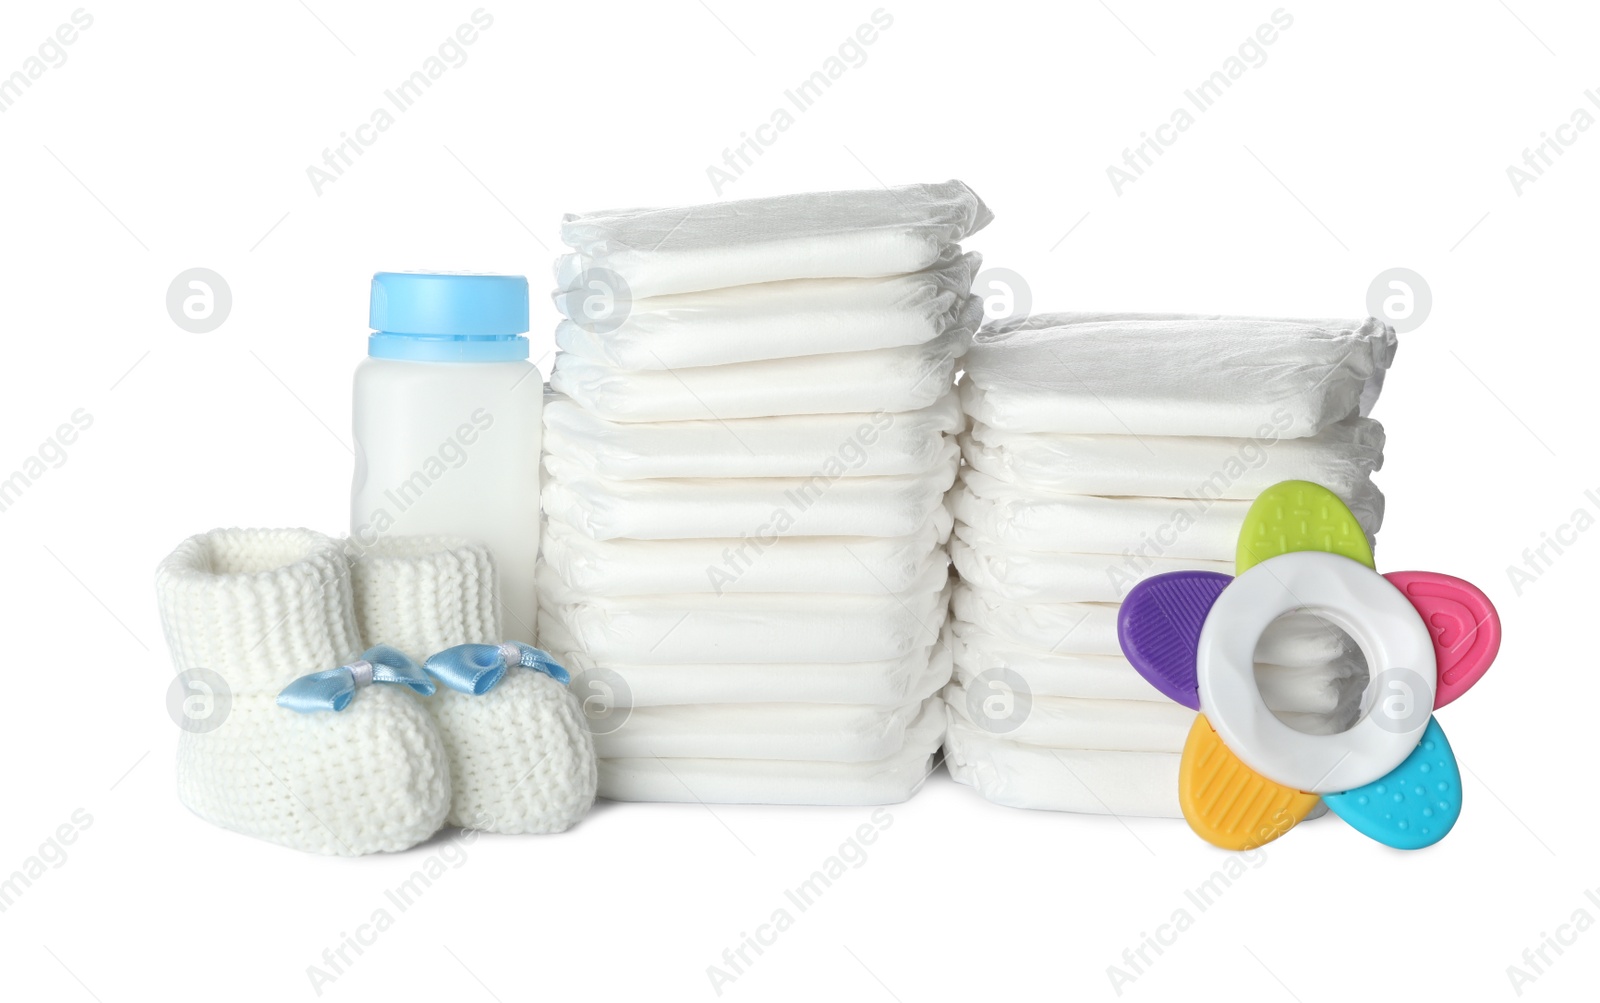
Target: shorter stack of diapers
<point>1103,449</point>
<point>748,443</point>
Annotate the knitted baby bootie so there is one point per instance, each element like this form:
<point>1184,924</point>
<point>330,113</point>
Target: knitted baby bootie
<point>261,609</point>
<point>521,756</point>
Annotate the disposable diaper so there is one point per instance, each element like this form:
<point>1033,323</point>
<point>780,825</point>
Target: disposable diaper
<point>885,683</point>
<point>1025,776</point>
<point>1295,639</point>
<point>766,508</point>
<point>749,564</point>
<point>1341,457</point>
<point>1204,529</point>
<point>747,628</point>
<point>866,233</point>
<point>768,781</point>
<point>856,445</point>
<point>982,661</point>
<point>885,379</point>
<point>1033,576</point>
<point>777,320</point>
<point>1024,517</point>
<point>1078,628</point>
<point>839,733</point>
<point>1166,374</point>
<point>1071,723</point>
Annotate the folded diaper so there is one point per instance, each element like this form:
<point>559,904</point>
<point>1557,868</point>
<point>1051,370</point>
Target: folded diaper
<point>1019,514</point>
<point>1088,677</point>
<point>1024,520</point>
<point>837,445</point>
<point>866,233</point>
<point>1297,639</point>
<point>748,627</point>
<point>841,733</point>
<point>779,320</point>
<point>1341,457</point>
<point>1078,628</point>
<point>1166,374</point>
<point>1325,688</point>
<point>1027,576</point>
<point>1025,776</point>
<point>885,379</point>
<point>886,683</point>
<point>770,781</point>
<point>1072,723</point>
<point>856,564</point>
<point>763,507</point>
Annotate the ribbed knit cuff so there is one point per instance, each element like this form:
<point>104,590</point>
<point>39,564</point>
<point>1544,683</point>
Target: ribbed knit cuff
<point>423,594</point>
<point>259,606</point>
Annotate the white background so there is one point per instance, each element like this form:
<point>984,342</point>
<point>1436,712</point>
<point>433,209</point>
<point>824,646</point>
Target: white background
<point>1374,136</point>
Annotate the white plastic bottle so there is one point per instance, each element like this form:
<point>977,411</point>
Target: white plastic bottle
<point>447,424</point>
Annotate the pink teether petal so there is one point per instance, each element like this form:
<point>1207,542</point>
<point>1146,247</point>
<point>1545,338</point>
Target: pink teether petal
<point>1464,625</point>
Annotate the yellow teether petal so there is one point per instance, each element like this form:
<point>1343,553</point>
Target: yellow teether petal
<point>1226,802</point>
<point>1299,515</point>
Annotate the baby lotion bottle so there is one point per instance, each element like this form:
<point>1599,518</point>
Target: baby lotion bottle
<point>447,424</point>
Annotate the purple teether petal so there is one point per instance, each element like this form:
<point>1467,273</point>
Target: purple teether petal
<point>1159,627</point>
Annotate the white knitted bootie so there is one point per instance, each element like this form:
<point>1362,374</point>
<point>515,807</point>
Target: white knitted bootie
<point>521,756</point>
<point>262,608</point>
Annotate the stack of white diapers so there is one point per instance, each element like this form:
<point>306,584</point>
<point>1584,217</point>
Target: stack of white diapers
<point>1103,449</point>
<point>749,439</point>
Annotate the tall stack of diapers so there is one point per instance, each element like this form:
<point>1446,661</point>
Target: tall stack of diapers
<point>749,439</point>
<point>1103,449</point>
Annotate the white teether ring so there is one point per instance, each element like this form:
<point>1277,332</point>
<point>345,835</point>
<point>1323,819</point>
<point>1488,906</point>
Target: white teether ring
<point>1383,622</point>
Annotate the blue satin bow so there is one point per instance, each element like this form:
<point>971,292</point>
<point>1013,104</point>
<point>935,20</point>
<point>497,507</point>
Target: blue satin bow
<point>478,668</point>
<point>333,689</point>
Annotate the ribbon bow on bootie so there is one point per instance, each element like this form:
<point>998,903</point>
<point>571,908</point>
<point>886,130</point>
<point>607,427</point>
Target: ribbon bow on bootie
<point>478,668</point>
<point>333,689</point>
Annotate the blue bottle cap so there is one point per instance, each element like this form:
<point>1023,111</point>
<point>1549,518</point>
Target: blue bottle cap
<point>448,317</point>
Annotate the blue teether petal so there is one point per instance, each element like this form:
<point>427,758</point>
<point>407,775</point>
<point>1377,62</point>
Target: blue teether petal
<point>1414,804</point>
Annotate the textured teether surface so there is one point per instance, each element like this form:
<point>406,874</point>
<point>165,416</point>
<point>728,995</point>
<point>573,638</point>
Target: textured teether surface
<point>1227,803</point>
<point>1414,805</point>
<point>1299,515</point>
<point>1159,626</point>
<point>1427,637</point>
<point>1463,623</point>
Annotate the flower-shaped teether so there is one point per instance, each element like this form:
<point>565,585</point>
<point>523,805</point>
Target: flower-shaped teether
<point>1246,777</point>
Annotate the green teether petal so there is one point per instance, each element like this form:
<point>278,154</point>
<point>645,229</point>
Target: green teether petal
<point>1299,515</point>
